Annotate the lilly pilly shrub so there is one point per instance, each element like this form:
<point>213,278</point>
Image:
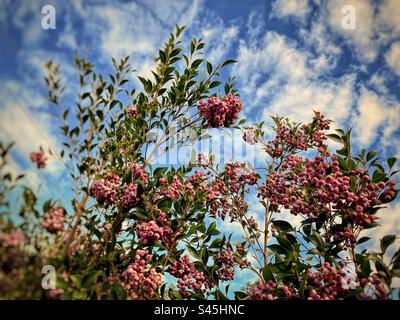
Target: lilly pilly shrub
<point>136,230</point>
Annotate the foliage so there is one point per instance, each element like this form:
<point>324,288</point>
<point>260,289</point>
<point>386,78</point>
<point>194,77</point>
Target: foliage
<point>139,231</point>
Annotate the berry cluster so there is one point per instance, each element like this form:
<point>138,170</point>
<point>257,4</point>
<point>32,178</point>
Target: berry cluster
<point>12,239</point>
<point>328,189</point>
<point>130,196</point>
<point>172,190</point>
<point>223,203</point>
<point>250,136</point>
<point>168,234</point>
<point>148,231</point>
<point>225,260</point>
<point>203,160</point>
<point>269,291</point>
<point>104,191</point>
<point>346,235</point>
<point>329,283</point>
<point>138,173</point>
<point>239,175</point>
<point>198,178</point>
<point>373,288</point>
<point>292,137</point>
<point>132,111</point>
<point>220,112</point>
<point>110,192</point>
<point>53,220</point>
<point>224,194</point>
<point>39,158</point>
<point>216,194</point>
<point>189,280</point>
<point>141,282</point>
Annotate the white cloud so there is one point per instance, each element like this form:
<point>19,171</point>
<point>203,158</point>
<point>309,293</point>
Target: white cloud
<point>377,24</point>
<point>219,40</point>
<point>125,29</point>
<point>378,82</point>
<point>67,38</point>
<point>373,114</point>
<point>294,8</point>
<point>389,17</point>
<point>28,19</point>
<point>28,129</point>
<point>363,38</point>
<point>317,38</point>
<point>279,73</point>
<point>393,57</point>
<point>298,100</point>
<point>275,56</point>
<point>135,29</point>
<point>389,220</point>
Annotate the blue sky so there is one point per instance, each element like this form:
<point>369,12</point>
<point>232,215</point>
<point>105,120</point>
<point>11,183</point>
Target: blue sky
<point>294,56</point>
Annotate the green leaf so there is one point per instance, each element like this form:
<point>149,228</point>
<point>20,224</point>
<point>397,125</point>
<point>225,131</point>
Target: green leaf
<point>114,103</point>
<point>391,162</point>
<point>378,176</point>
<point>204,255</point>
<point>175,52</point>
<point>284,243</point>
<point>277,248</point>
<point>307,229</point>
<point>396,260</point>
<point>193,252</point>
<point>65,114</point>
<point>209,67</point>
<point>267,274</point>
<point>386,241</point>
<point>317,240</point>
<point>335,137</point>
<point>240,295</point>
<point>47,205</point>
<point>100,114</point>
<point>90,279</point>
<point>226,88</point>
<point>216,243</point>
<point>212,229</point>
<point>76,280</point>
<point>162,56</point>
<point>118,291</point>
<point>282,225</point>
<point>196,63</point>
<point>61,283</point>
<point>214,84</point>
<point>342,163</point>
<point>303,283</point>
<point>85,95</point>
<point>140,214</point>
<point>370,155</point>
<point>77,295</point>
<point>219,295</point>
<point>228,62</point>
<point>364,264</point>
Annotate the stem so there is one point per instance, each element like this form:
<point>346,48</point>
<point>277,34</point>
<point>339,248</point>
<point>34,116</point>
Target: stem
<point>267,221</point>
